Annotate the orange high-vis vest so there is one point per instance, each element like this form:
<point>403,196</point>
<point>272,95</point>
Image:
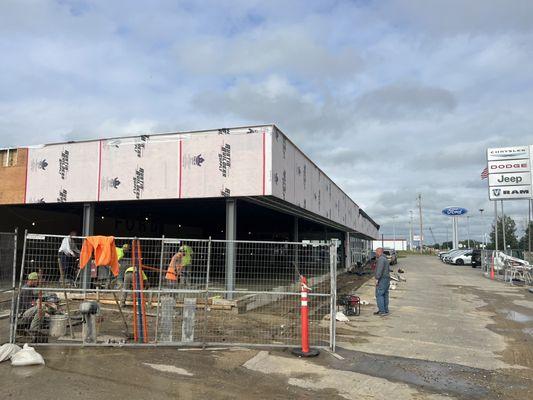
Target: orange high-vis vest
<point>171,274</point>
<point>105,252</point>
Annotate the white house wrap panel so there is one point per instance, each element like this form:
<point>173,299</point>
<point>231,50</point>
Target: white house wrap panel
<point>143,167</point>
<point>224,165</point>
<point>60,173</point>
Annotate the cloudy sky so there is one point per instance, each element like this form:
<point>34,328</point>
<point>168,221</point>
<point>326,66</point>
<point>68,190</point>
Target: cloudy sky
<point>391,98</point>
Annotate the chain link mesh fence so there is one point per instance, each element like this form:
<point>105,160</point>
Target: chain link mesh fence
<point>193,292</point>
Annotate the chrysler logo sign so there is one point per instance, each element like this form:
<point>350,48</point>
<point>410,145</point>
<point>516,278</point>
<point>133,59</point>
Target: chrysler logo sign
<point>508,153</point>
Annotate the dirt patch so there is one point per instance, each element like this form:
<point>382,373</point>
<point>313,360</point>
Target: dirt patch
<point>512,321</point>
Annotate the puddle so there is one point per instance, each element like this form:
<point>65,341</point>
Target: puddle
<point>169,368</point>
<point>516,316</point>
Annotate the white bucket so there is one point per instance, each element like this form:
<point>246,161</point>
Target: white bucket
<point>58,325</point>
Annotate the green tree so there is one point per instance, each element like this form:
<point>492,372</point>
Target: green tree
<point>523,244</point>
<point>510,234</point>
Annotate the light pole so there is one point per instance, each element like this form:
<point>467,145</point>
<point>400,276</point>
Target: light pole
<point>394,231</point>
<point>411,231</point>
<point>483,225</point>
<point>421,225</point>
<point>468,231</point>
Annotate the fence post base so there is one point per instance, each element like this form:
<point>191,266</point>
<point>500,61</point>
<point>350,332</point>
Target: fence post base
<point>301,353</point>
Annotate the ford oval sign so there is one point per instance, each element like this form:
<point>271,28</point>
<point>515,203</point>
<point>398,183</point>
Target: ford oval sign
<point>454,211</point>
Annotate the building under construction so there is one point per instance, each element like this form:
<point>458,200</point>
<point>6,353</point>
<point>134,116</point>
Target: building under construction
<point>248,183</point>
<point>255,212</point>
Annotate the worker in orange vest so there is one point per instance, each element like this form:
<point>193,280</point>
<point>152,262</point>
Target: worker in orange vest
<point>177,267</point>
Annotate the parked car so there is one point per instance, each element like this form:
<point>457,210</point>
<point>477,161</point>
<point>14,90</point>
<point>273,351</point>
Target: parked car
<point>462,259</point>
<point>443,254</point>
<point>450,256</point>
<point>476,258</point>
<point>391,255</point>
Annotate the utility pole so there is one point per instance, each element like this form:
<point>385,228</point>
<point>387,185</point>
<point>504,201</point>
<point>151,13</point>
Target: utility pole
<point>421,224</point>
<point>411,231</point>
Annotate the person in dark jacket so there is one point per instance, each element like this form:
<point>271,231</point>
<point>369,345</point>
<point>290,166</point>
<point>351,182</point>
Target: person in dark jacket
<point>28,295</point>
<point>382,275</point>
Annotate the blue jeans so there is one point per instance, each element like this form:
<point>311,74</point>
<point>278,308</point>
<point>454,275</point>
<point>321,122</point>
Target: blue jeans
<point>382,294</point>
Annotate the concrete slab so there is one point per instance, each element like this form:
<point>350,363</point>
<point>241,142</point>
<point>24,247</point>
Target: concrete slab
<point>439,314</point>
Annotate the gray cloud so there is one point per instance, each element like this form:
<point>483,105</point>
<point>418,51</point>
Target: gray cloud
<point>405,101</point>
<point>457,16</point>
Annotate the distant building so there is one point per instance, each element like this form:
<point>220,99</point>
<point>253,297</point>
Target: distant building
<point>398,244</point>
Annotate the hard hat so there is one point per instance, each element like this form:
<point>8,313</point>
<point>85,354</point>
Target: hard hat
<point>33,276</point>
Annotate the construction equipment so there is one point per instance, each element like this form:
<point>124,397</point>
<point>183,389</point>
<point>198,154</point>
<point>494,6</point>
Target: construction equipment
<point>433,235</point>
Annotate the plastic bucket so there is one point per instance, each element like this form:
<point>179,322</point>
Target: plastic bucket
<point>58,325</point>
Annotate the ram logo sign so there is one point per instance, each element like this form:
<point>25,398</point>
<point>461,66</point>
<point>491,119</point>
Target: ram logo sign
<point>454,211</point>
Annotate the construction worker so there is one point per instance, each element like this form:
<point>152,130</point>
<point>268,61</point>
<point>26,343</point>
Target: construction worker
<point>128,284</point>
<point>68,253</point>
<point>122,250</point>
<point>179,266</point>
<point>35,319</point>
<point>27,295</point>
<point>123,262</point>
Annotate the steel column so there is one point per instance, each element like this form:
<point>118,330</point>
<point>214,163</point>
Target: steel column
<point>87,230</point>
<point>231,236</point>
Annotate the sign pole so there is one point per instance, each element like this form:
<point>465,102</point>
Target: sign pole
<point>503,230</point>
<point>529,227</point>
<point>496,225</point>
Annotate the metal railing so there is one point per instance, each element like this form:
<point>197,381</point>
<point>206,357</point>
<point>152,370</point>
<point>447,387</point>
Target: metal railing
<point>230,292</point>
<point>496,264</point>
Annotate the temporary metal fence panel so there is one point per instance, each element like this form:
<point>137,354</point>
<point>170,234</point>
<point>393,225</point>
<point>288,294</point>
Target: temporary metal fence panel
<point>230,292</point>
<point>8,257</point>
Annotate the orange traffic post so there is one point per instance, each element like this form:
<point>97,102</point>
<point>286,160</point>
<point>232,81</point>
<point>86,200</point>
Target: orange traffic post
<point>305,351</point>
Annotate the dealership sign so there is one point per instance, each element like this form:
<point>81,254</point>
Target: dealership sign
<point>509,170</point>
<point>510,192</point>
<point>519,178</point>
<point>509,166</point>
<point>508,153</point>
<point>454,211</point>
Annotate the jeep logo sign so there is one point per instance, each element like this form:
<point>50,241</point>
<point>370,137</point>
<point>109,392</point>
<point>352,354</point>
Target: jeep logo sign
<point>454,211</point>
<point>521,178</point>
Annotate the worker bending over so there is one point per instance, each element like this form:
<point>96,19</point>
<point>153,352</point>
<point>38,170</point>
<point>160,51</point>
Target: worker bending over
<point>128,283</point>
<point>179,266</point>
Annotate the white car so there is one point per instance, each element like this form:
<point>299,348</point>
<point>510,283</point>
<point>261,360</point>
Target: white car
<point>462,259</point>
<point>447,258</point>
